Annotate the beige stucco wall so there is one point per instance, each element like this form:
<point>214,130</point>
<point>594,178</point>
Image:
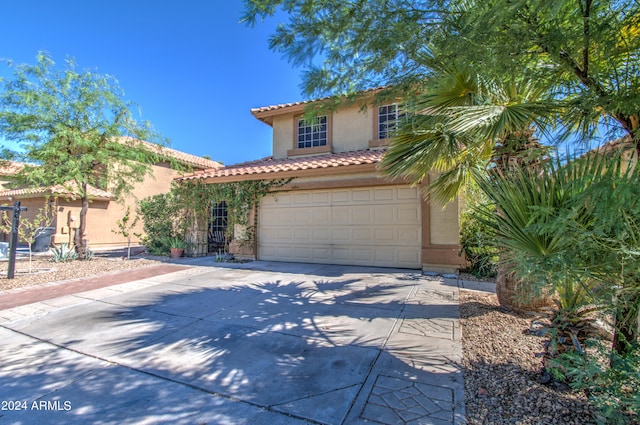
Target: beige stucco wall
<point>351,129</point>
<point>68,216</point>
<point>444,225</point>
<point>101,222</point>
<point>103,216</point>
<point>283,132</point>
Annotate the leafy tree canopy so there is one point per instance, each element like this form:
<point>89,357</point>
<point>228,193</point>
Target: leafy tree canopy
<point>73,124</point>
<point>588,48</point>
<point>76,130</point>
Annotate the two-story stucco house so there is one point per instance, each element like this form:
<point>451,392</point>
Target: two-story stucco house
<point>339,208</point>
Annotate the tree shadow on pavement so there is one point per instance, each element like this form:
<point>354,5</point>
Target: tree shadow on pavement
<point>326,351</point>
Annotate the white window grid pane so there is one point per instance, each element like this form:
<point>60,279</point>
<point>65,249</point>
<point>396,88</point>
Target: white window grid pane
<point>311,134</point>
<point>387,116</point>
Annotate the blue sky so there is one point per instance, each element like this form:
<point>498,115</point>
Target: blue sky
<point>191,66</point>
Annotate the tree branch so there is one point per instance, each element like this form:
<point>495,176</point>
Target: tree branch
<point>586,12</point>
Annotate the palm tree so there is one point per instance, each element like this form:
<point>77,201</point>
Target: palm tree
<point>573,223</point>
<point>465,122</point>
<point>466,126</point>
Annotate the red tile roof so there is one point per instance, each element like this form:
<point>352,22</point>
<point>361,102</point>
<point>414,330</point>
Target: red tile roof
<point>69,189</point>
<point>182,157</point>
<point>270,167</point>
<point>10,168</point>
<point>306,102</point>
<point>266,113</point>
<point>284,105</point>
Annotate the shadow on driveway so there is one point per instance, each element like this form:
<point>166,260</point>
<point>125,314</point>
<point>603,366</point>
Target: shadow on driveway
<point>257,348</point>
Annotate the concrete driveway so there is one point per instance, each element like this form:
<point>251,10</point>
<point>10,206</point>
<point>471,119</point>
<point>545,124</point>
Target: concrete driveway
<point>259,343</point>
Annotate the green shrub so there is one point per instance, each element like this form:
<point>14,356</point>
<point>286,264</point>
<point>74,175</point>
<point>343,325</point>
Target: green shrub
<point>175,242</point>
<point>477,240</point>
<point>157,212</point>
<point>612,389</point>
<point>64,253</point>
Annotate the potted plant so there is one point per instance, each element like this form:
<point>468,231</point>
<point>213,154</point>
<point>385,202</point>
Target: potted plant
<point>176,246</point>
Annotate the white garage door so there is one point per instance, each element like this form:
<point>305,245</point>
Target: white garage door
<point>376,226</point>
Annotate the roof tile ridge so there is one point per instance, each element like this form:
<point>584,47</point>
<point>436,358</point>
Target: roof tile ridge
<point>246,163</point>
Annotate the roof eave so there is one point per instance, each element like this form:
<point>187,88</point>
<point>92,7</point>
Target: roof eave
<point>266,116</point>
<point>309,172</point>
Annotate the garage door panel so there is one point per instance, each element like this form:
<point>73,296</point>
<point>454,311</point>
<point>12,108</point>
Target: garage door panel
<point>384,235</point>
<point>340,216</point>
<point>301,198</point>
<point>281,199</point>
<point>341,254</point>
<point>301,234</point>
<point>406,256</point>
<point>408,193</point>
<point>386,194</point>
<point>277,251</point>
<point>361,234</point>
<point>361,195</point>
<point>409,235</point>
<point>374,256</point>
<point>268,233</point>
<point>301,217</point>
<point>378,226</point>
<point>302,253</point>
<point>284,233</point>
<point>360,215</point>
<point>321,235</point>
<point>362,254</point>
<point>408,215</point>
<point>321,197</point>
<point>278,217</point>
<point>340,196</point>
<point>340,235</point>
<point>321,216</point>
<point>385,255</point>
<point>383,215</point>
<point>321,254</point>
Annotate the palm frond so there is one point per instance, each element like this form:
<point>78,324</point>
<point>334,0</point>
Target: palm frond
<point>461,116</point>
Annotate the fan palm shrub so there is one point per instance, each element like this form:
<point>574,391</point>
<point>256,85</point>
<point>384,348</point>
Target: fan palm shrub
<point>573,231</point>
<point>462,127</point>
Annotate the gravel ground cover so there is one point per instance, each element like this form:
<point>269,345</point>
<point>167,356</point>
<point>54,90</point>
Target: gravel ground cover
<point>43,270</point>
<point>501,360</point>
<point>502,366</point>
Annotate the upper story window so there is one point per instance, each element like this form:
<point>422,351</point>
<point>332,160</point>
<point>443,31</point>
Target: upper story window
<point>388,116</point>
<point>312,133</point>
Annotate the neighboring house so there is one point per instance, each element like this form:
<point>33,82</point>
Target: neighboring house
<point>8,169</point>
<point>104,209</point>
<point>623,145</point>
<point>339,209</point>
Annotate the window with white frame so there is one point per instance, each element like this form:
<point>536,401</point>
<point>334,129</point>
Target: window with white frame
<point>388,116</point>
<point>312,133</point>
